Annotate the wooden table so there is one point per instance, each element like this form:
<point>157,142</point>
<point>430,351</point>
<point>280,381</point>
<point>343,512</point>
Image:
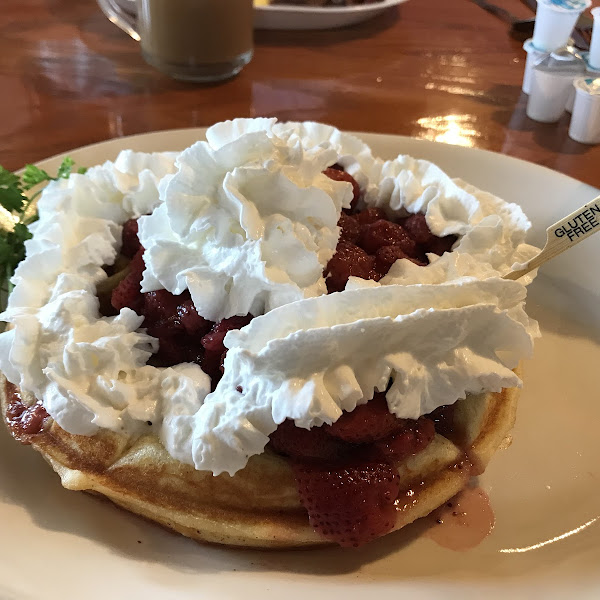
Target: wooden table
<point>433,69</point>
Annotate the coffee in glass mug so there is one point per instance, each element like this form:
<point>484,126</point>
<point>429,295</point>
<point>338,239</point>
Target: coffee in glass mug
<point>197,40</point>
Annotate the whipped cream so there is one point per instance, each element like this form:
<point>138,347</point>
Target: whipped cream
<point>247,221</point>
<point>247,224</point>
<point>310,360</point>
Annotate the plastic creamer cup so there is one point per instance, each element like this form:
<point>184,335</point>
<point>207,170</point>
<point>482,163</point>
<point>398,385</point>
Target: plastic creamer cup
<point>551,83</point>
<point>594,55</point>
<point>585,122</point>
<point>554,22</point>
<point>589,72</point>
<point>534,56</point>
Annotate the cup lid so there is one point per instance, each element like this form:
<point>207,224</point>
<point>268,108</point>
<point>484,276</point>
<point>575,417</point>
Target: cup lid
<point>567,5</point>
<point>562,62</point>
<point>529,48</point>
<point>588,85</point>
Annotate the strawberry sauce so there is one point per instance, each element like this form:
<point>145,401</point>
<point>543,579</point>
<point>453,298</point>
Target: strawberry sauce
<point>463,522</point>
<point>23,421</point>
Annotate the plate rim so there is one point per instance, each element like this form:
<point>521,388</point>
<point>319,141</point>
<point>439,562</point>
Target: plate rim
<point>333,10</point>
<point>202,131</point>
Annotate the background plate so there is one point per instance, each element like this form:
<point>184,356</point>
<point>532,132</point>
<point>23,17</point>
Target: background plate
<point>544,489</point>
<point>312,17</point>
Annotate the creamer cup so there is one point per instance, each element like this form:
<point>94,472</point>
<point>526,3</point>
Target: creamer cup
<point>551,85</point>
<point>585,122</point>
<point>554,22</point>
<point>534,56</point>
<point>594,54</point>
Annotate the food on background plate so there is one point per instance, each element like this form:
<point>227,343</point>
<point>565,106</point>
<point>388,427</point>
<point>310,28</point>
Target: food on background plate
<point>271,339</point>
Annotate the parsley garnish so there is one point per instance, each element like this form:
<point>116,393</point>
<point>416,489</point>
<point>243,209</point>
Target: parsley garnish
<point>16,198</point>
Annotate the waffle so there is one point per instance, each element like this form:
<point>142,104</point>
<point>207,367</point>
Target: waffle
<point>259,506</point>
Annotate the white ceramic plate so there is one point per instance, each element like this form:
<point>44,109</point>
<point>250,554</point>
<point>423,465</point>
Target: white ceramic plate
<point>313,17</point>
<point>304,17</point>
<point>544,489</point>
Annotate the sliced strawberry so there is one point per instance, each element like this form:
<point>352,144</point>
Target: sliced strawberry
<point>370,215</point>
<point>192,322</point>
<point>159,306</point>
<point>417,228</point>
<point>175,346</point>
<point>215,350</point>
<point>128,293</point>
<point>350,228</point>
<point>338,175</point>
<point>213,341</point>
<point>349,260</point>
<point>414,437</point>
<point>386,256</point>
<point>385,233</point>
<point>297,442</point>
<point>129,236</point>
<point>366,423</point>
<point>350,504</point>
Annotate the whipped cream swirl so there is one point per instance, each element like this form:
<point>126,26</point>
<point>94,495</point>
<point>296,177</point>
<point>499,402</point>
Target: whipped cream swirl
<point>246,226</point>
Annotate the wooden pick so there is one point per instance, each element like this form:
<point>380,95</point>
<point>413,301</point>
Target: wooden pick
<point>564,234</point>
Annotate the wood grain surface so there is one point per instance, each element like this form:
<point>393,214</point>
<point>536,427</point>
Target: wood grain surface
<point>433,69</point>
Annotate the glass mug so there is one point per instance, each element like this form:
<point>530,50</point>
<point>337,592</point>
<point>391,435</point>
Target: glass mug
<point>193,40</point>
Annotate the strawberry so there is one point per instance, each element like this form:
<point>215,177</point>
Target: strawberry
<point>348,260</point>
<point>314,443</point>
<point>350,228</point>
<point>413,437</point>
<point>350,504</point>
<point>159,306</point>
<point>213,341</point>
<point>174,346</point>
<point>386,256</point>
<point>417,228</point>
<point>215,351</point>
<point>370,215</point>
<point>129,237</point>
<point>192,322</point>
<point>366,423</point>
<point>127,293</point>
<point>385,233</point>
<point>338,175</point>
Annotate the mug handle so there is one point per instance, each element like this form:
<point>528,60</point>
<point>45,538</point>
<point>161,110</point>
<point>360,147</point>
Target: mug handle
<point>119,17</point>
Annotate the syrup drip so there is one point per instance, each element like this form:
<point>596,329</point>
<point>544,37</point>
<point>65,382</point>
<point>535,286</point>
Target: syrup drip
<point>463,522</point>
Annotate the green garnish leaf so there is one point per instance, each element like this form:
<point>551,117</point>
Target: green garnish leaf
<point>65,168</point>
<point>11,193</point>
<point>8,179</point>
<point>12,199</point>
<point>33,176</point>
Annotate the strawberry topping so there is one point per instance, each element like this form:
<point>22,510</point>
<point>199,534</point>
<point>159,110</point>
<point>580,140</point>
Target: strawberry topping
<point>129,237</point>
<point>214,347</point>
<point>385,233</point>
<point>314,443</point>
<point>127,293</point>
<point>366,423</point>
<point>348,260</point>
<point>411,439</point>
<point>338,175</point>
<point>350,504</point>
